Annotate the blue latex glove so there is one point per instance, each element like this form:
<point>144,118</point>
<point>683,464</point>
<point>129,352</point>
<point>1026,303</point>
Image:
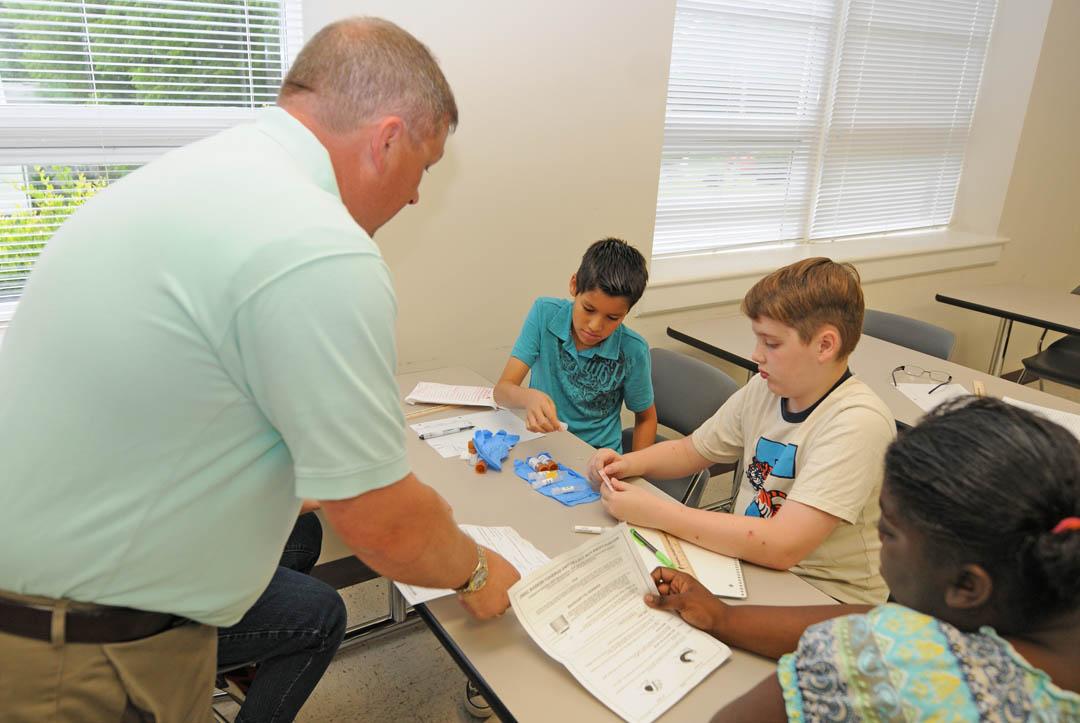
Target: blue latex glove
<point>494,448</point>
<point>581,494</point>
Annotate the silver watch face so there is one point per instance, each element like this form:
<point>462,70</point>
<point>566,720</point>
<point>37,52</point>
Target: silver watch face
<point>479,576</point>
<point>478,579</point>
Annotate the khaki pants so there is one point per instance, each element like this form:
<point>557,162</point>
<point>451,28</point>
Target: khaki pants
<point>166,678</point>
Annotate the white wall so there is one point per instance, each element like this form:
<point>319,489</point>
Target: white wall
<point>562,108</point>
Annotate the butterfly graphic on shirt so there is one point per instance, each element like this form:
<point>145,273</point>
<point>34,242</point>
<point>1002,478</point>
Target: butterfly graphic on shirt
<point>771,459</point>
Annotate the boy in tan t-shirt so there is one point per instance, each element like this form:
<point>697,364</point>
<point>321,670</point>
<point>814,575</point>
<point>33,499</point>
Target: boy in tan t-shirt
<point>812,440</point>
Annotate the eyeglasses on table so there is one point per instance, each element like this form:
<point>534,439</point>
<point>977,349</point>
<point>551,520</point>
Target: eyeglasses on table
<point>942,378</point>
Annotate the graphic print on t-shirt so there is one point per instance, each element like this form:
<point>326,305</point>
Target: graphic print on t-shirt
<point>594,382</point>
<point>770,459</point>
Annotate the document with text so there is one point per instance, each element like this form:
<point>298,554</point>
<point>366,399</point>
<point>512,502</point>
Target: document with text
<point>506,541</point>
<point>585,610</point>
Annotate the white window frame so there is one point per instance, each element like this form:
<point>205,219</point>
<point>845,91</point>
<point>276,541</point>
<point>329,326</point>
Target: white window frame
<point>723,276</point>
<point>57,133</point>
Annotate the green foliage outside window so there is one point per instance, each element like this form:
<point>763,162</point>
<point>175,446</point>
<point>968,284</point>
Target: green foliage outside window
<point>143,53</point>
<point>52,196</point>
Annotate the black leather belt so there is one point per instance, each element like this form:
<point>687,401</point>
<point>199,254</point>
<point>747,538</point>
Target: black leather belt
<point>102,624</point>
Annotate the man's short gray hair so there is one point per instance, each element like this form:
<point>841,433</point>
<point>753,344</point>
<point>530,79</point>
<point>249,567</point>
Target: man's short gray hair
<point>361,69</point>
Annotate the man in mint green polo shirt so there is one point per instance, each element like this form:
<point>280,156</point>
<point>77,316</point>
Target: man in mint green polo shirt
<point>203,344</point>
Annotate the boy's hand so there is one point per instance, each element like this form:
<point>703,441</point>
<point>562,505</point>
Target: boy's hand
<point>607,463</point>
<point>632,504</point>
<point>540,415</point>
<point>684,595</point>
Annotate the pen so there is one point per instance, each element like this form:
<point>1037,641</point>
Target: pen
<point>645,543</point>
<point>444,432</point>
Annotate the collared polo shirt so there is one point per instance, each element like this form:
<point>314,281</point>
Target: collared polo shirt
<point>203,343</point>
<point>589,385</point>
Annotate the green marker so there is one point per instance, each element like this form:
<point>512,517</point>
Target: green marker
<point>659,555</point>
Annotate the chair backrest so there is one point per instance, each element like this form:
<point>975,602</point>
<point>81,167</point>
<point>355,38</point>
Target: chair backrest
<point>912,333</point>
<point>687,391</point>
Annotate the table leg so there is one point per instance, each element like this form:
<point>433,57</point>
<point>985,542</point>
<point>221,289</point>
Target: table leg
<point>997,357</point>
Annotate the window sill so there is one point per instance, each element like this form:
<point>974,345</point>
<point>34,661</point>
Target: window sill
<point>723,277</point>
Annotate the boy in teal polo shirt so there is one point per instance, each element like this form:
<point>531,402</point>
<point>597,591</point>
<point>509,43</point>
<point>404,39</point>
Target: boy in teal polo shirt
<point>584,362</point>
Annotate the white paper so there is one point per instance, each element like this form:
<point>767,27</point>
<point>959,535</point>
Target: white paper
<point>455,445</point>
<point>1068,420</point>
<point>721,574</point>
<point>920,393</point>
<point>585,610</point>
<point>435,393</point>
<point>506,541</point>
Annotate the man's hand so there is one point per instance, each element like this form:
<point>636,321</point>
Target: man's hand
<point>684,595</point>
<point>540,414</point>
<point>492,599</point>
<point>633,504</point>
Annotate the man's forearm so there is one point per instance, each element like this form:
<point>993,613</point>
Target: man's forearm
<point>407,533</point>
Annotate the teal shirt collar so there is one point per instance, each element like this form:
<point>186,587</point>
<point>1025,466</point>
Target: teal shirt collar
<point>301,144</point>
<point>560,327</point>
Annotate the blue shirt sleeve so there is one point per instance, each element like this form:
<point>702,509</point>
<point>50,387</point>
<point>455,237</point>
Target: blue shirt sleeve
<point>637,389</point>
<point>527,346</point>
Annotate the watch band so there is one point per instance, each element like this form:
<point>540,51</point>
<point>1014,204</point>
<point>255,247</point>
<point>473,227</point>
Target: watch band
<point>479,575</point>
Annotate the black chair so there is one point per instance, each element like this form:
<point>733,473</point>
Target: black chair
<point>1059,362</point>
<point>912,333</point>
<point>687,391</point>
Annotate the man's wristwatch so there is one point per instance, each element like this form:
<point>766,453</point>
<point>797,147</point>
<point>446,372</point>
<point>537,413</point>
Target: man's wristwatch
<point>479,575</point>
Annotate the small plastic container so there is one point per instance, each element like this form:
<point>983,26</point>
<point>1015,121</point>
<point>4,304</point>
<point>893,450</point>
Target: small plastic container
<point>564,489</point>
<point>481,466</point>
<point>544,481</point>
<point>472,447</point>
<point>541,463</point>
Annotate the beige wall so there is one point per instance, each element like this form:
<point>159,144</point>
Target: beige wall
<point>562,106</point>
<point>562,118</point>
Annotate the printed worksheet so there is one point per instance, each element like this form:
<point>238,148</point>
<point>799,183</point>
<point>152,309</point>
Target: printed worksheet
<point>435,393</point>
<point>585,610</point>
<point>450,437</point>
<point>928,396</point>
<point>506,541</point>
<point>1068,420</point>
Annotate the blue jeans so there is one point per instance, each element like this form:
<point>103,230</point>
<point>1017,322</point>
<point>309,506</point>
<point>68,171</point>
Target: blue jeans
<point>292,631</point>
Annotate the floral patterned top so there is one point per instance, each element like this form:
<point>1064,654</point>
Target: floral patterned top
<point>896,664</point>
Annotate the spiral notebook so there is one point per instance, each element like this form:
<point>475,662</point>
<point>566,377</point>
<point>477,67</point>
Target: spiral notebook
<point>721,574</point>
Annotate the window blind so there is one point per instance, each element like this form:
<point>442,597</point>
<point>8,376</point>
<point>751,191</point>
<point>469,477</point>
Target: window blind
<point>798,120</point>
<point>90,90</point>
<point>905,94</point>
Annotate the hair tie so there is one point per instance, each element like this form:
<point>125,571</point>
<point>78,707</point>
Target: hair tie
<point>1066,525</point>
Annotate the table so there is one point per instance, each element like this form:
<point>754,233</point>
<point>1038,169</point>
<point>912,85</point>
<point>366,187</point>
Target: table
<point>1046,308</point>
<point>873,360</point>
<point>519,680</point>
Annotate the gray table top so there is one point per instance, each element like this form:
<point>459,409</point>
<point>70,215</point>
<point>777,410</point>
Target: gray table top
<point>873,360</point>
<point>1054,309</point>
<point>529,683</point>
